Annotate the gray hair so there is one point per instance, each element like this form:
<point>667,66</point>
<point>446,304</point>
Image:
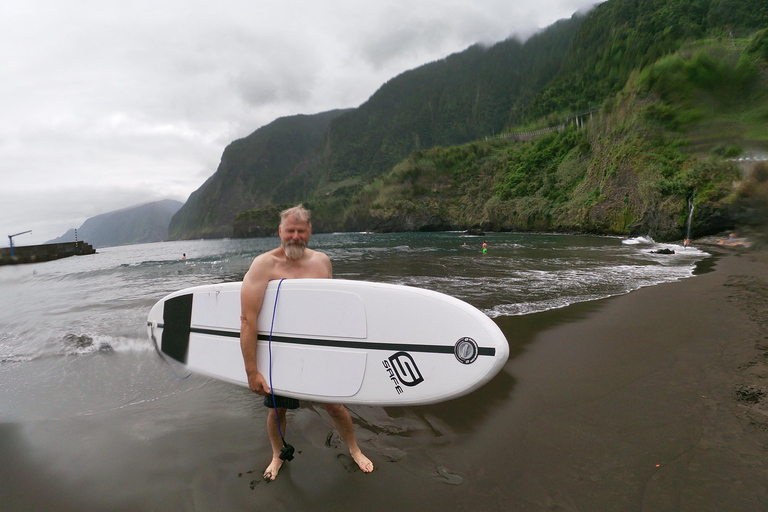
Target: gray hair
<point>297,212</point>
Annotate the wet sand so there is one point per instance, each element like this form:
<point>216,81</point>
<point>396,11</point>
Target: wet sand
<point>652,401</point>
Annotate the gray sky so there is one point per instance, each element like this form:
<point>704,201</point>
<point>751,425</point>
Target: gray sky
<point>106,105</point>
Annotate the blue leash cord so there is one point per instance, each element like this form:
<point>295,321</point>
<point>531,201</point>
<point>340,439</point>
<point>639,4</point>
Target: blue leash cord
<point>287,452</point>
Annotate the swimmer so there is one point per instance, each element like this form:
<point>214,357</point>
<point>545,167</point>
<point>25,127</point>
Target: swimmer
<point>485,248</point>
<point>733,241</point>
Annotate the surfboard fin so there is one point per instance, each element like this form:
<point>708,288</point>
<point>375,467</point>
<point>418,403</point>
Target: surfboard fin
<point>286,453</point>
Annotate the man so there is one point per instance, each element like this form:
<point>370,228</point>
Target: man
<point>291,260</point>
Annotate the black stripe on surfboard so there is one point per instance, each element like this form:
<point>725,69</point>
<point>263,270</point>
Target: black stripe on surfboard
<point>177,317</point>
<point>365,345</point>
<point>372,345</point>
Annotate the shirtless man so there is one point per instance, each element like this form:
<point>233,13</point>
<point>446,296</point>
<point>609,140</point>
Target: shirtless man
<point>291,260</point>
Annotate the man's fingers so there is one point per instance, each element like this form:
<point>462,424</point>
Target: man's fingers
<point>259,386</point>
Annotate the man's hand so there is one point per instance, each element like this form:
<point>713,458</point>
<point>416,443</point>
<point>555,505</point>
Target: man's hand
<point>258,383</point>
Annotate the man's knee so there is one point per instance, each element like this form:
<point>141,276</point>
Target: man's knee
<point>335,410</point>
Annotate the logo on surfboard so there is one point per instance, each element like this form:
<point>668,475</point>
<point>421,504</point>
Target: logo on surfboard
<point>466,350</point>
<point>402,370</point>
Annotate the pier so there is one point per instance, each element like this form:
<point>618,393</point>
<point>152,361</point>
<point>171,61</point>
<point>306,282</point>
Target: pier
<point>45,252</point>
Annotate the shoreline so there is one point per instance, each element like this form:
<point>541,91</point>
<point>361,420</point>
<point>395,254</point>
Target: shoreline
<point>652,400</point>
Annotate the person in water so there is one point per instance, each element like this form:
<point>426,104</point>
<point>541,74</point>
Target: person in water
<point>485,248</point>
<point>291,260</point>
<point>732,240</point>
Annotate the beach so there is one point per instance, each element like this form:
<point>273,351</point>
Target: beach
<point>649,401</point>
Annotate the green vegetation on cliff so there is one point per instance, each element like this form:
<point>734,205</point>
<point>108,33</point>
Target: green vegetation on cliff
<point>269,166</point>
<point>620,37</point>
<point>461,98</point>
<point>632,170</point>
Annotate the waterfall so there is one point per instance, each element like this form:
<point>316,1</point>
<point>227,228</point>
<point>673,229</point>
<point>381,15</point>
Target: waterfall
<point>690,217</point>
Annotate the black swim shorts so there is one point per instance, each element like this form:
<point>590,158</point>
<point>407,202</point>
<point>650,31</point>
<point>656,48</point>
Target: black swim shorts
<point>282,402</point>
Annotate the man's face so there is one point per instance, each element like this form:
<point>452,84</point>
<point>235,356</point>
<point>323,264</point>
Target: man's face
<point>294,236</point>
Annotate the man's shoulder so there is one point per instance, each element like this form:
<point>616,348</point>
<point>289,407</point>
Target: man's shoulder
<point>321,262</point>
<point>317,255</point>
<point>263,263</point>
<point>268,255</point>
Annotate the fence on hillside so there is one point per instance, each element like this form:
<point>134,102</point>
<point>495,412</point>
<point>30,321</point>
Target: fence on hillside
<point>580,120</point>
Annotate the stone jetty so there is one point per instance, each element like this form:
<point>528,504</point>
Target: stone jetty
<point>45,252</point>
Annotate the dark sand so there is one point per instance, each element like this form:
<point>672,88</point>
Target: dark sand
<point>648,401</point>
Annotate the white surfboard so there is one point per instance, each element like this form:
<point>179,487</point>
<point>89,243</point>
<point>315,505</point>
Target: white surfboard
<point>338,341</point>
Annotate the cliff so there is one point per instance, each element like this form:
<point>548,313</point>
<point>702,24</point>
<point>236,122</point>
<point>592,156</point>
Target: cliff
<point>135,225</point>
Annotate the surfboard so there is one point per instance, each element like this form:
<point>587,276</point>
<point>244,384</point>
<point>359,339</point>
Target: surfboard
<point>335,340</point>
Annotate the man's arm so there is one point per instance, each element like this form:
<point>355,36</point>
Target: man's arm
<point>251,298</point>
<point>326,263</point>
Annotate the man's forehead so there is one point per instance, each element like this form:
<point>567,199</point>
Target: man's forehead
<point>295,222</point>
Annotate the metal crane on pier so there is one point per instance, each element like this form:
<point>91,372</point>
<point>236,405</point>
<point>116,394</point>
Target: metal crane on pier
<point>10,239</point>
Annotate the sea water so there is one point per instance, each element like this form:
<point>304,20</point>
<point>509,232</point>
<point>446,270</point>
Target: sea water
<point>100,302</point>
<point>82,320</point>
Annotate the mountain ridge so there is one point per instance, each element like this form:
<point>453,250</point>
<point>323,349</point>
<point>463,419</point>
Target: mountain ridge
<point>143,223</point>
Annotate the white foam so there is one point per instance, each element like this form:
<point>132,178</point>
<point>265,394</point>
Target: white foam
<point>638,240</point>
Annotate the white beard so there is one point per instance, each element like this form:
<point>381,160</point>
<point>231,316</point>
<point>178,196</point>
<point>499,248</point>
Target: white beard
<point>294,250</point>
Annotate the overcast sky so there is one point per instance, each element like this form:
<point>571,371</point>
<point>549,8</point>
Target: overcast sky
<point>106,105</point>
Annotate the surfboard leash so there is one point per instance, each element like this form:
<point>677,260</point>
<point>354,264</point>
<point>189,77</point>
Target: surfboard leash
<point>286,453</point>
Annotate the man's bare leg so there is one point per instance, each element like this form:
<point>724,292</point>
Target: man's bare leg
<point>343,422</point>
<point>276,441</point>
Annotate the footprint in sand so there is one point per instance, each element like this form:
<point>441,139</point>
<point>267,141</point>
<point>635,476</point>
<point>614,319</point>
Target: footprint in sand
<point>253,483</point>
<point>348,462</point>
<point>333,440</point>
<point>448,477</point>
<point>392,454</point>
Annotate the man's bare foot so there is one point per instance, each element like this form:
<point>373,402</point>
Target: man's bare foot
<point>273,469</point>
<point>363,462</point>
